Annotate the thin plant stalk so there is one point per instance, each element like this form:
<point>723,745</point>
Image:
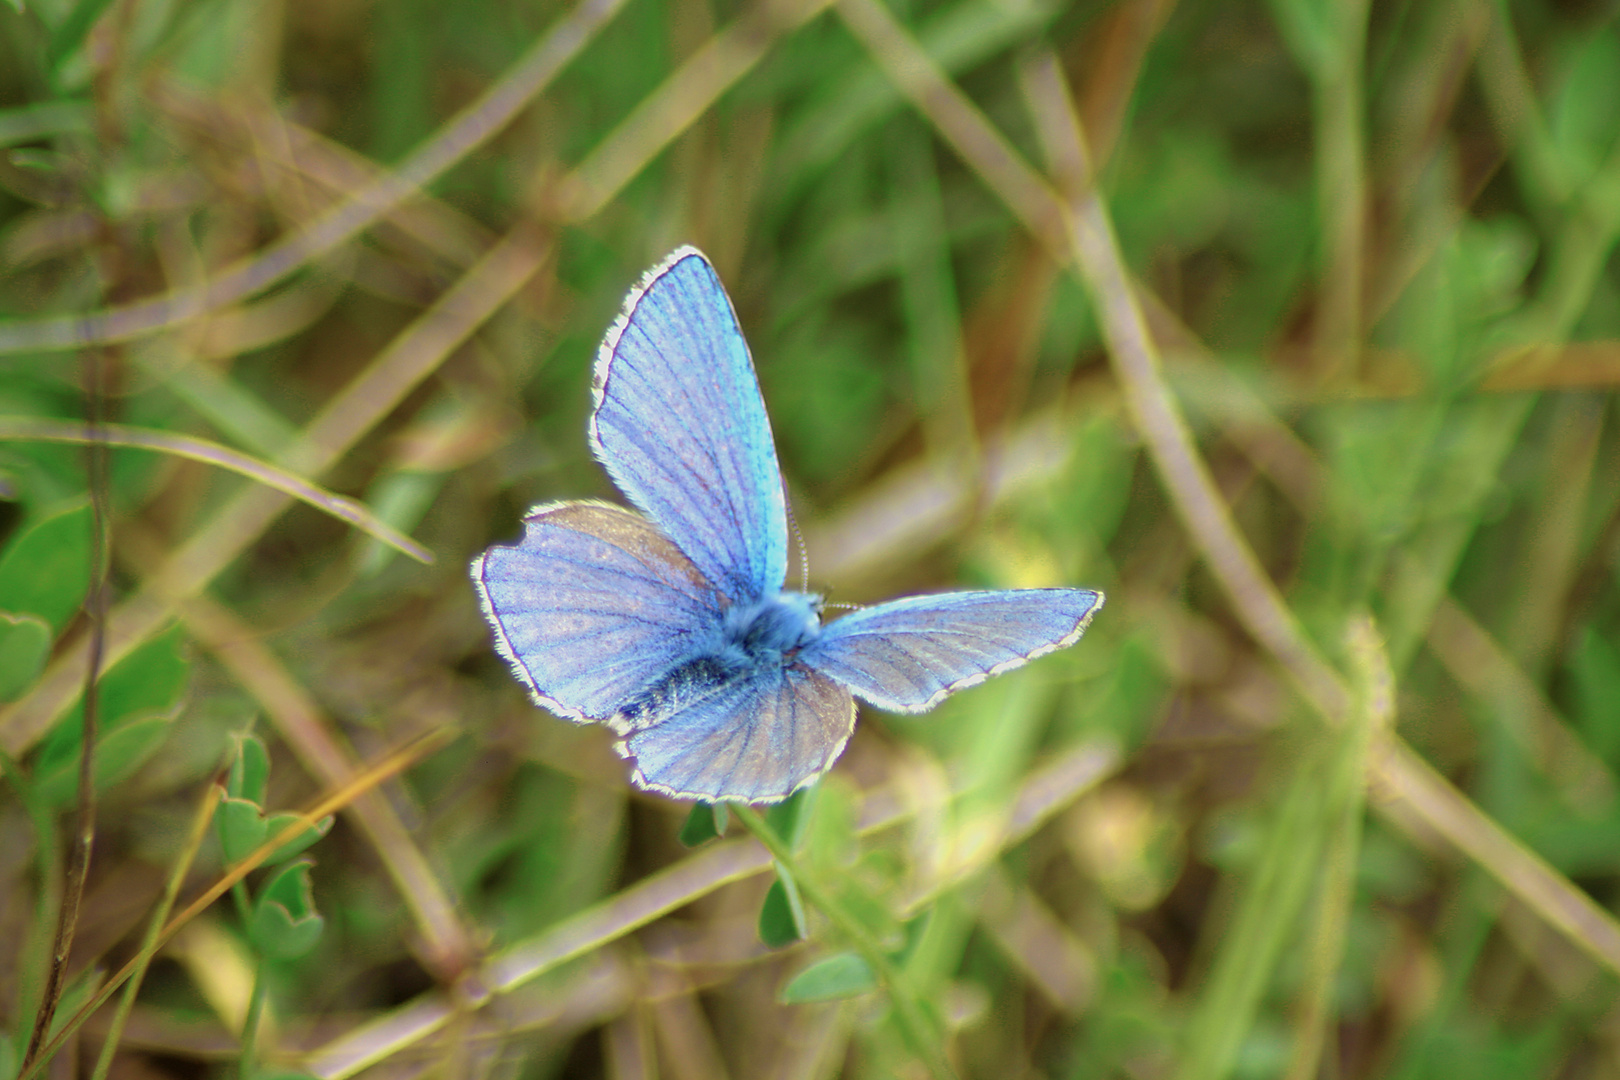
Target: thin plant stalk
<point>95,611</point>
<point>154,928</point>
<point>395,763</point>
<point>914,1023</point>
<point>250,1023</point>
<point>223,457</point>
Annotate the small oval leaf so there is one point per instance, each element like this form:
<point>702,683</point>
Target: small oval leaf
<point>781,917</point>
<point>789,817</point>
<point>702,824</point>
<point>841,975</point>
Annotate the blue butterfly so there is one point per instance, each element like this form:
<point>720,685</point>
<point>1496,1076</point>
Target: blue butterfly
<point>673,628</point>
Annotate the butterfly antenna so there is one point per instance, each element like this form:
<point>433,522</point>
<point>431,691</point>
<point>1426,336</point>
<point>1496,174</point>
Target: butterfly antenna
<point>798,540</point>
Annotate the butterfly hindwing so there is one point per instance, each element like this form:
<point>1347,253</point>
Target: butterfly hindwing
<point>592,605</point>
<point>681,427</point>
<point>908,655</point>
<point>756,738</point>
<point>674,631</point>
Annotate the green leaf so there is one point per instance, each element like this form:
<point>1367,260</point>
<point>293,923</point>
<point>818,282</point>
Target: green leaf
<point>706,822</point>
<point>781,917</point>
<point>788,817</point>
<point>869,910</point>
<point>118,754</point>
<point>242,828</point>
<point>1594,667</point>
<point>147,681</point>
<point>150,679</point>
<point>401,499</point>
<point>274,825</point>
<point>1583,114</point>
<point>285,923</point>
<point>250,772</point>
<point>25,645</point>
<point>45,571</point>
<point>71,32</point>
<point>42,119</point>
<point>1307,28</point>
<point>842,975</point>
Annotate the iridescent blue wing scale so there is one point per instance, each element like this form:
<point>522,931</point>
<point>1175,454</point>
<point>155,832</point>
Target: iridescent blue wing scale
<point>907,655</point>
<point>592,605</point>
<point>681,428</point>
<point>756,738</point>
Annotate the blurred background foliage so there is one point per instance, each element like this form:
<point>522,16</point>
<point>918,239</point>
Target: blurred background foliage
<point>1373,244</point>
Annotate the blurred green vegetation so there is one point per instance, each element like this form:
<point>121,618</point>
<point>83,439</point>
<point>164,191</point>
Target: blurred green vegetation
<point>1374,244</point>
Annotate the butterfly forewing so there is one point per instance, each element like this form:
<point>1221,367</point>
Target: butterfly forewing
<point>592,605</point>
<point>680,426</point>
<point>758,738</point>
<point>608,616</point>
<point>907,655</point>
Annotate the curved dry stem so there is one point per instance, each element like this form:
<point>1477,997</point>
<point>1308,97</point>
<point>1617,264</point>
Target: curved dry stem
<point>299,720</point>
<point>160,915</point>
<point>396,762</point>
<point>676,104</point>
<point>344,509</point>
<point>1085,241</point>
<point>1046,791</point>
<point>471,128</point>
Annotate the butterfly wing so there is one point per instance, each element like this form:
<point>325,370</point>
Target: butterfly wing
<point>757,738</point>
<point>907,655</point>
<point>681,428</point>
<point>592,605</point>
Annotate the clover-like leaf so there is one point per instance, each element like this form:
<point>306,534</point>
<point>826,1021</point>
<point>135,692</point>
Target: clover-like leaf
<point>276,824</point>
<point>250,772</point>
<point>242,828</point>
<point>285,924</point>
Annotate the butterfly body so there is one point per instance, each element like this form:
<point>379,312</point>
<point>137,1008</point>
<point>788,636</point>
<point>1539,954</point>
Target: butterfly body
<point>749,640</point>
<point>674,629</point>
<point>774,626</point>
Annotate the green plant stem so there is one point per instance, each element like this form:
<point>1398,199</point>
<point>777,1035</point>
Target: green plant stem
<point>244,904</point>
<point>95,613</point>
<point>31,979</point>
<point>914,1024</point>
<point>154,927</point>
<point>1346,805</point>
<point>394,763</point>
<point>250,1024</point>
